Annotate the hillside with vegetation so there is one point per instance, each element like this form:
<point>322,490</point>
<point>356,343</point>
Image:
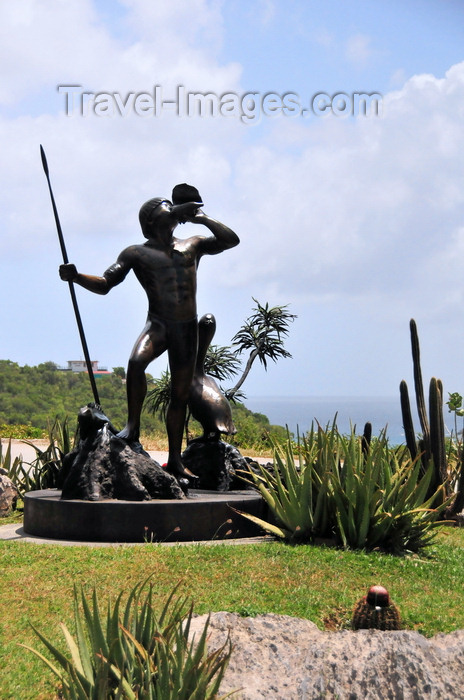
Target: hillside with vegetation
<point>35,396</point>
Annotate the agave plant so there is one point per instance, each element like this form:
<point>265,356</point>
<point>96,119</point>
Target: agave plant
<point>363,498</point>
<point>298,495</point>
<point>380,498</point>
<point>136,654</point>
<point>45,468</point>
<point>43,471</point>
<point>7,463</point>
<point>14,469</point>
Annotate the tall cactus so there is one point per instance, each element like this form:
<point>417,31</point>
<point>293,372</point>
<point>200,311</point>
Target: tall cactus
<point>437,429</point>
<point>366,438</point>
<point>408,424</point>
<point>432,443</point>
<point>420,399</point>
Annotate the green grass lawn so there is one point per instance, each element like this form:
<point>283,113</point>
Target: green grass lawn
<point>317,583</point>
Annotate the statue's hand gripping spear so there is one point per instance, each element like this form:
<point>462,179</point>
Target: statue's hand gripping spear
<point>71,285</point>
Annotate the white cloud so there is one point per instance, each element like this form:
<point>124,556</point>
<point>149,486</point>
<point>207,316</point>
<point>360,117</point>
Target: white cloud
<point>367,205</point>
<point>358,49</point>
<point>324,38</point>
<point>45,43</point>
<point>267,11</point>
<point>363,215</point>
<point>197,24</point>
<point>42,40</point>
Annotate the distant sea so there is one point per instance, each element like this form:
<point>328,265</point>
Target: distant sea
<point>298,412</point>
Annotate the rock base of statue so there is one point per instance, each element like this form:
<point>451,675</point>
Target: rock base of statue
<point>112,491</point>
<point>105,466</point>
<point>216,464</point>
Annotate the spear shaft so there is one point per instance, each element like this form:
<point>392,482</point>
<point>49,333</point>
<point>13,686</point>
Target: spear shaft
<point>72,291</point>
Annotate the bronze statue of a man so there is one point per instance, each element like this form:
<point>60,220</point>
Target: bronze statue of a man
<point>166,267</point>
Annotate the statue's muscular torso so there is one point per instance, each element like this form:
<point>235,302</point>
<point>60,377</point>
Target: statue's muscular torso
<point>167,274</point>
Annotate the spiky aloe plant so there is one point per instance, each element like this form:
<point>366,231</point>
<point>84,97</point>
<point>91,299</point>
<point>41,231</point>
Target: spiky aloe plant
<point>10,465</point>
<point>365,499</point>
<point>381,499</point>
<point>136,654</point>
<point>22,476</point>
<point>297,496</point>
<point>43,472</point>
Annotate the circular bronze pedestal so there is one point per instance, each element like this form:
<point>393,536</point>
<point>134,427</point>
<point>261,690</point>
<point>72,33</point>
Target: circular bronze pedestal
<point>204,515</point>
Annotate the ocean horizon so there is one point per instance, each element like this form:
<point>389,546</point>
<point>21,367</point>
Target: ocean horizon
<point>299,412</point>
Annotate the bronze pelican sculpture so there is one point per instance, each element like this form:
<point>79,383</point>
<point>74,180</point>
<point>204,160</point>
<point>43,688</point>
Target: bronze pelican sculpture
<point>206,402</point>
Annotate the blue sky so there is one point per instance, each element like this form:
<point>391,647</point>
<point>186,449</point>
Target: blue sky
<point>357,223</point>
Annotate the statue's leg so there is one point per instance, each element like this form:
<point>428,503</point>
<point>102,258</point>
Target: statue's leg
<point>183,345</point>
<point>150,344</point>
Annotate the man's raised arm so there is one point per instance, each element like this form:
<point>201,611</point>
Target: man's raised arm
<point>224,237</point>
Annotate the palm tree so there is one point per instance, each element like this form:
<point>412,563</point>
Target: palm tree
<point>157,400</point>
<point>220,362</point>
<point>263,334</point>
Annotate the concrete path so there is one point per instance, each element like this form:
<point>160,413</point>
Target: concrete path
<point>28,453</point>
<point>15,533</point>
<point>20,449</point>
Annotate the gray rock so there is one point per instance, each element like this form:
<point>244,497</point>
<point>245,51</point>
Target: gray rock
<point>8,495</point>
<point>216,464</point>
<point>284,658</point>
<point>105,466</point>
<point>109,468</point>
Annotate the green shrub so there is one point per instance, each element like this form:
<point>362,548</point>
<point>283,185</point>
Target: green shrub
<point>137,654</point>
<point>20,432</point>
<point>43,471</point>
<point>254,431</point>
<point>363,499</point>
<point>30,395</point>
<point>6,461</point>
<point>14,468</point>
<point>10,466</point>
<point>380,498</point>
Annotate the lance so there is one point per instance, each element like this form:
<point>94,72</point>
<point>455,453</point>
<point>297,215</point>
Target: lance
<point>71,285</point>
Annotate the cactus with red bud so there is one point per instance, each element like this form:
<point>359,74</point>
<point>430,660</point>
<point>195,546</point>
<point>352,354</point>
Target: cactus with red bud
<point>376,611</point>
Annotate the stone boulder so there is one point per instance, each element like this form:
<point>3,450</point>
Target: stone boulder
<point>276,657</point>
<point>105,466</point>
<point>110,468</point>
<point>216,464</point>
<point>9,494</point>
